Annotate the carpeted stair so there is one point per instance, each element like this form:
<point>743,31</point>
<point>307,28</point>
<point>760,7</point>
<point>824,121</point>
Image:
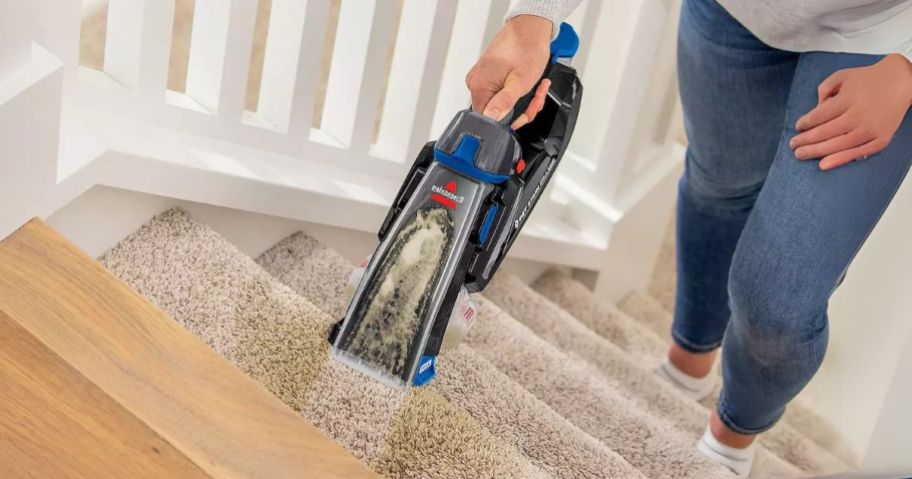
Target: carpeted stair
<point>279,339</point>
<point>535,390</point>
<point>799,422</point>
<point>465,378</point>
<point>301,262</point>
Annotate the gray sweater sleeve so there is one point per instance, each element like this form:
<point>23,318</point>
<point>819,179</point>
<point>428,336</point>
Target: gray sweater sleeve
<point>555,10</point>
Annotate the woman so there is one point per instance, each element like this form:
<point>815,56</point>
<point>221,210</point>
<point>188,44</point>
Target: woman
<point>800,132</point>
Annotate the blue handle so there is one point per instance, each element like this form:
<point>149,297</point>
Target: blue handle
<point>566,44</point>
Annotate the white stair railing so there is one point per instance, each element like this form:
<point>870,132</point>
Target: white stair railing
<point>395,77</point>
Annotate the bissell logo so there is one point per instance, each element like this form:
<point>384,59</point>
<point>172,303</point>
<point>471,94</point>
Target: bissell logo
<point>447,195</point>
<point>424,367</point>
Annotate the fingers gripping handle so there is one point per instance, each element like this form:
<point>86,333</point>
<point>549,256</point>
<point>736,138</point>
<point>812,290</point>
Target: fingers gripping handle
<point>522,104</point>
<point>564,46</point>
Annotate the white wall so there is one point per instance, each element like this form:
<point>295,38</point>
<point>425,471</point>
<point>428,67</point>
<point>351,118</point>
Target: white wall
<point>889,450</point>
<point>870,326</point>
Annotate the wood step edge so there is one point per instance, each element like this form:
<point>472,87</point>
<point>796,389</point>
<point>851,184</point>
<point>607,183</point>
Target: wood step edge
<point>57,423</point>
<point>210,411</point>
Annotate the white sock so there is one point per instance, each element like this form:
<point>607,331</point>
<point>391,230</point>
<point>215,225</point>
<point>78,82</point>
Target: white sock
<point>696,388</point>
<point>738,460</point>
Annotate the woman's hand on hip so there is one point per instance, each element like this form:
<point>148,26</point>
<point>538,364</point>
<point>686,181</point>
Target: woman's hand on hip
<point>857,113</point>
<point>509,68</point>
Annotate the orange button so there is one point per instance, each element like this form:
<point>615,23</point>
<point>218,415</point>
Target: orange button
<point>520,166</point>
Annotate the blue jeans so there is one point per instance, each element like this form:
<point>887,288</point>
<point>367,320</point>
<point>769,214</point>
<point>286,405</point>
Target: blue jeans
<point>763,239</point>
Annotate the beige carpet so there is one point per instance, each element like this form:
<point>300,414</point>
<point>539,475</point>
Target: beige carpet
<point>301,263</point>
<point>534,391</point>
<point>782,440</point>
<point>664,276</point>
<point>635,338</point>
<point>803,437</point>
<point>278,338</point>
<point>649,312</point>
<point>467,379</point>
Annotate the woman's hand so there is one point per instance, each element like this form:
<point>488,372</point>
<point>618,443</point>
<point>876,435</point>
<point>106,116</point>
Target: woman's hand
<point>509,68</point>
<point>857,113</point>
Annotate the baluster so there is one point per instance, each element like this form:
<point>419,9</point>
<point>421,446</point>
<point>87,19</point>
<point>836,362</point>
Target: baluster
<point>414,80</point>
<point>468,38</point>
<point>356,75</point>
<point>496,15</point>
<point>291,67</point>
<point>631,107</point>
<point>220,55</point>
<point>138,45</point>
<point>611,37</point>
<point>657,108</point>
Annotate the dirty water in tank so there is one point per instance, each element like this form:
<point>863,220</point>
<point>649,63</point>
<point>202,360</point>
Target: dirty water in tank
<point>398,299</point>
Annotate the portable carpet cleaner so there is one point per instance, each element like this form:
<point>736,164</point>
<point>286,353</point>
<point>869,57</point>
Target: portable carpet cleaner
<point>464,201</point>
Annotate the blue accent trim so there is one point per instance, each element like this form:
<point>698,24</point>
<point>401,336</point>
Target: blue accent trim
<point>486,225</point>
<point>463,161</point>
<point>427,369</point>
<point>566,44</point>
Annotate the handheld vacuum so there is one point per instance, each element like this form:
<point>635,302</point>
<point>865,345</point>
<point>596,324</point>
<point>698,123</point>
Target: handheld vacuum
<point>463,204</point>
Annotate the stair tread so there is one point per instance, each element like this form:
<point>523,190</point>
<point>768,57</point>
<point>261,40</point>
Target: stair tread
<point>81,431</point>
<point>785,440</point>
<point>648,311</point>
<point>464,377</point>
<point>278,339</point>
<point>566,383</point>
<point>629,334</point>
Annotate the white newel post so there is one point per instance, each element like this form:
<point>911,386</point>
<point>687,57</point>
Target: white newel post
<point>31,82</point>
<point>640,159</point>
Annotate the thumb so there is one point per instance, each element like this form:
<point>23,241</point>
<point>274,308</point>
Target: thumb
<point>501,103</point>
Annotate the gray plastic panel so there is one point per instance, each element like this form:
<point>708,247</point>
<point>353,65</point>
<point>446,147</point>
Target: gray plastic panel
<point>498,151</point>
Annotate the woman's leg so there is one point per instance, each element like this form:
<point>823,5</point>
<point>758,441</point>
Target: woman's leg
<point>805,228</point>
<point>734,90</point>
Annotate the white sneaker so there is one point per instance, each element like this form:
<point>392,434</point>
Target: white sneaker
<point>696,388</point>
<point>737,460</point>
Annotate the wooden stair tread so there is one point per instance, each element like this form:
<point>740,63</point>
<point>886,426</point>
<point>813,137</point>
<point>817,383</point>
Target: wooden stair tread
<point>195,400</point>
<point>56,423</point>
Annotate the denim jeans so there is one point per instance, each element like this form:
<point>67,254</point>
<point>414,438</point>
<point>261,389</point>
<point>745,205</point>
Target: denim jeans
<point>763,239</point>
